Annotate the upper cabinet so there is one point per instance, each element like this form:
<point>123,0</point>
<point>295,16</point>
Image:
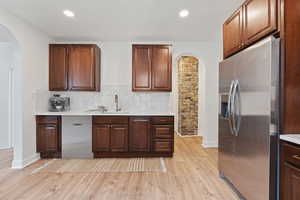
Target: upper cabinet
<point>260,19</point>
<point>58,67</point>
<point>232,32</point>
<point>141,70</point>
<point>254,20</point>
<point>151,68</point>
<point>74,67</point>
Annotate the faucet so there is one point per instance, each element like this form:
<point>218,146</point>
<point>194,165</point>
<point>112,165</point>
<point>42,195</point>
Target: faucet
<point>117,103</point>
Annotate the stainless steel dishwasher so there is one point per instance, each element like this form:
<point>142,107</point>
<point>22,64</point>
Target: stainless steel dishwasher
<point>77,137</point>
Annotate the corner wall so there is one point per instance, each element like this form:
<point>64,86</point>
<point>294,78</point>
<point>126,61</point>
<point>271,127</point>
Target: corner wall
<point>31,73</point>
<point>6,61</point>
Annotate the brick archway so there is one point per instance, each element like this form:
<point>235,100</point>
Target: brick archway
<point>188,97</point>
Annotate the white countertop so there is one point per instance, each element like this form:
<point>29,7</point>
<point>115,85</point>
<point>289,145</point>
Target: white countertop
<point>85,113</point>
<point>293,138</point>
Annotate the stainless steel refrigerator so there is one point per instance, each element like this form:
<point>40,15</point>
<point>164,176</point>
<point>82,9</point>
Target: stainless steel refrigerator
<point>249,119</point>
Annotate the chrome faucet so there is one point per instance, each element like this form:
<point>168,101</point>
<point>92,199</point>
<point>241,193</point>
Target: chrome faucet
<point>117,103</point>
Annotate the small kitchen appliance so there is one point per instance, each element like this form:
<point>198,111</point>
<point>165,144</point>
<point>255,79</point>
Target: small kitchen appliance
<point>58,103</point>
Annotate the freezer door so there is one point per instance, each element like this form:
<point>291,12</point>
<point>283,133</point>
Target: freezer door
<point>255,111</point>
<point>226,137</point>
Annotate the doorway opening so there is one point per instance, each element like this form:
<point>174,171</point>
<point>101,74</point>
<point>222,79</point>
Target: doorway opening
<point>9,55</point>
<point>188,89</point>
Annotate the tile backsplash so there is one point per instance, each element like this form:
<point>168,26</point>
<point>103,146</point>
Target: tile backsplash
<point>128,101</point>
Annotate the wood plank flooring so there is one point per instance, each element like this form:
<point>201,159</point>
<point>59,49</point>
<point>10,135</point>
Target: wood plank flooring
<point>6,157</point>
<point>192,174</point>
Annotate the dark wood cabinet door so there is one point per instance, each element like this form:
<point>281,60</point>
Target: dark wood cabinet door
<point>119,138</point>
<point>58,67</point>
<point>82,71</point>
<point>163,131</point>
<point>160,145</point>
<point>141,67</point>
<point>101,138</point>
<point>139,134</point>
<point>260,19</point>
<point>233,33</point>
<point>290,62</point>
<point>47,138</point>
<point>290,187</point>
<point>161,68</point>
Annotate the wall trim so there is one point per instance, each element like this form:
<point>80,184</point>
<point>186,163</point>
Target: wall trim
<point>20,164</point>
<point>183,136</point>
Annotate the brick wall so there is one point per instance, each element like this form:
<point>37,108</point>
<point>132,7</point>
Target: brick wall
<point>188,79</point>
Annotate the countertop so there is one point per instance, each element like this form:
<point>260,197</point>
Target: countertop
<point>85,113</point>
<point>293,138</point>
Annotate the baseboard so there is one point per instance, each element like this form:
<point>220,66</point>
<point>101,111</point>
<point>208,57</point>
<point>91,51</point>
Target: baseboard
<point>210,144</point>
<point>20,164</point>
<point>177,133</point>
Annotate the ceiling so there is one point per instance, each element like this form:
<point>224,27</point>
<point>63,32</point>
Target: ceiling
<point>125,20</point>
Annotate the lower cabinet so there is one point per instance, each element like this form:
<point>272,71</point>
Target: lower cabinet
<point>119,138</point>
<point>163,131</point>
<point>291,182</point>
<point>134,136</point>
<point>140,134</point>
<point>163,135</point>
<point>290,172</point>
<point>48,136</point>
<point>101,138</point>
<point>162,145</point>
<point>110,138</point>
<point>113,136</point>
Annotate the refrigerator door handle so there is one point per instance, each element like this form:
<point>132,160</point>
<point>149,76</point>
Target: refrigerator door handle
<point>229,109</point>
<point>233,108</point>
<point>238,114</point>
<point>236,108</point>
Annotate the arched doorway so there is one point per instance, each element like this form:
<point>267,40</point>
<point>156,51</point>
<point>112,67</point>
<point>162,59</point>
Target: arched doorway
<point>9,61</point>
<point>188,97</point>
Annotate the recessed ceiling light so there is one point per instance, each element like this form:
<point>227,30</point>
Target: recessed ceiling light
<point>184,13</point>
<point>69,13</point>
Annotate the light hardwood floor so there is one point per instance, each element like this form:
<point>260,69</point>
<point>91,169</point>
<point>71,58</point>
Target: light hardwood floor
<point>192,174</point>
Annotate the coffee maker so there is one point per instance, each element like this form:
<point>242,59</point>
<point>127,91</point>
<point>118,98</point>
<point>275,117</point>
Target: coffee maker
<point>58,103</point>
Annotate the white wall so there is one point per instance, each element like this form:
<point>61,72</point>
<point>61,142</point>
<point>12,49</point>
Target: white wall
<point>6,61</point>
<point>31,73</point>
<point>208,55</point>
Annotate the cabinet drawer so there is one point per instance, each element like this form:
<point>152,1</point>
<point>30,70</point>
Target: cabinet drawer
<point>110,120</point>
<point>163,146</point>
<point>291,153</point>
<point>163,131</point>
<point>47,119</point>
<point>162,120</point>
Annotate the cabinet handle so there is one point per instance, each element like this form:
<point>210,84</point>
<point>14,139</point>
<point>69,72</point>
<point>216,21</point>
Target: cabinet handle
<point>49,128</point>
<point>140,120</point>
<point>77,124</point>
<point>297,157</point>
